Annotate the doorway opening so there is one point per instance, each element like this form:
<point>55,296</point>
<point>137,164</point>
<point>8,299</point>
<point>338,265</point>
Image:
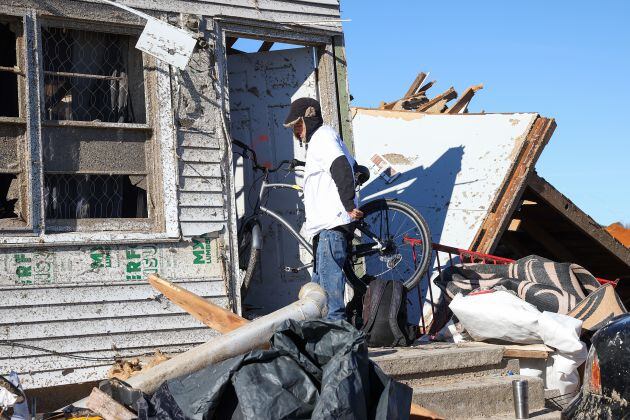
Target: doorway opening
<point>264,77</point>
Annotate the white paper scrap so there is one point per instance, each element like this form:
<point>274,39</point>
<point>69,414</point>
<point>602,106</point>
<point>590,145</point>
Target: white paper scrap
<point>167,43</point>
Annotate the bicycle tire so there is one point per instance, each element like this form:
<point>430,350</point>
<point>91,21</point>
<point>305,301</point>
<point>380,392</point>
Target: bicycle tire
<point>249,257</point>
<point>422,232</point>
<point>253,260</point>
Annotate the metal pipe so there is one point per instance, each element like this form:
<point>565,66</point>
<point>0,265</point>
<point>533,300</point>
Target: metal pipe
<point>82,75</point>
<point>310,305</point>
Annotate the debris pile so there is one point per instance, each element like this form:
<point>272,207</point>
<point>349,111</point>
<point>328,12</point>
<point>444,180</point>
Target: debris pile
<point>416,99</point>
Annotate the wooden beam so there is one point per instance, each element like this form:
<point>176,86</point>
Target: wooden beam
<point>447,95</point>
<point>527,351</point>
<point>462,103</point>
<point>426,87</point>
<point>213,316</point>
<point>416,84</point>
<point>577,217</point>
<point>436,108</point>
<point>265,46</point>
<point>508,197</point>
<point>230,41</point>
<point>107,407</point>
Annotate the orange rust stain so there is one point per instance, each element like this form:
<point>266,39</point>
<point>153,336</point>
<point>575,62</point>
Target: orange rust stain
<point>620,233</point>
<point>263,137</point>
<point>268,165</point>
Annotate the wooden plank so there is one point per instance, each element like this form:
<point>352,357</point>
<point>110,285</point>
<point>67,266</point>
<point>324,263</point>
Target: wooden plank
<point>420,93</point>
<point>462,103</point>
<point>265,46</point>
<point>415,85</point>
<point>436,108</point>
<point>447,95</point>
<point>508,198</point>
<point>107,407</point>
<point>214,316</point>
<point>580,219</point>
<point>527,351</point>
<point>426,87</point>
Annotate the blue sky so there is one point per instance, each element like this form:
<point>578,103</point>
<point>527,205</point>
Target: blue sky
<point>569,60</point>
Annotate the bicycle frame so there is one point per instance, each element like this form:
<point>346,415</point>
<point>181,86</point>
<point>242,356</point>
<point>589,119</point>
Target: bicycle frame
<point>365,249</point>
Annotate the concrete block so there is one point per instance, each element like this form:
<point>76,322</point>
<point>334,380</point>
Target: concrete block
<point>479,397</point>
<point>436,357</point>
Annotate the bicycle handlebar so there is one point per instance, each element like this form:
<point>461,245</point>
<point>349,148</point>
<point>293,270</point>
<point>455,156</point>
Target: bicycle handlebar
<point>293,163</point>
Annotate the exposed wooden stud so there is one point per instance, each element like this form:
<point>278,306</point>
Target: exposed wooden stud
<point>416,84</point>
<point>462,103</point>
<point>529,203</point>
<point>265,46</point>
<point>447,95</point>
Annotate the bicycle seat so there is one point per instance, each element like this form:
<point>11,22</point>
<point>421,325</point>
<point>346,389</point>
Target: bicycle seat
<point>361,174</point>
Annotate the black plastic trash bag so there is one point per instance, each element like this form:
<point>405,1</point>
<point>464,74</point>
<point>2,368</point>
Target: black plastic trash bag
<point>314,369</point>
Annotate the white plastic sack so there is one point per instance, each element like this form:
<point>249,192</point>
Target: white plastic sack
<point>503,316</point>
<point>497,315</point>
<point>562,332</point>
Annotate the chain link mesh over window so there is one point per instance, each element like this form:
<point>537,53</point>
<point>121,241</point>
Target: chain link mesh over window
<point>84,196</point>
<point>92,76</point>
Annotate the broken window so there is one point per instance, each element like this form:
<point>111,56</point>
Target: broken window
<point>92,76</point>
<point>95,138</point>
<point>12,126</point>
<point>93,171</point>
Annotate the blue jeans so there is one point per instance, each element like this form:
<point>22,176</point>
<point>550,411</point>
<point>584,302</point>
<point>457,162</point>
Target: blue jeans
<point>330,257</point>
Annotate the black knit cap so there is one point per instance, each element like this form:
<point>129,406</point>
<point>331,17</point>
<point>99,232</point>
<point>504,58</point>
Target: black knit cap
<point>303,108</point>
<point>309,110</point>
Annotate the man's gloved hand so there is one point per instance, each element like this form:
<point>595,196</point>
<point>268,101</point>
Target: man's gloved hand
<point>356,214</point>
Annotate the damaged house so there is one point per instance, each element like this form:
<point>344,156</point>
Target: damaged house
<point>115,165</point>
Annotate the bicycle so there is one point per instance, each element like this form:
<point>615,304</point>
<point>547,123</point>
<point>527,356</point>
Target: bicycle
<point>384,255</point>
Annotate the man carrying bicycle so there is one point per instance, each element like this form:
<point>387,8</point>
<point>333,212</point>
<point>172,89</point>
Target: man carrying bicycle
<point>329,198</point>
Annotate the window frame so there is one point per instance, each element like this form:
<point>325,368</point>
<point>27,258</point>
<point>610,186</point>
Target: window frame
<point>162,223</point>
<point>15,225</point>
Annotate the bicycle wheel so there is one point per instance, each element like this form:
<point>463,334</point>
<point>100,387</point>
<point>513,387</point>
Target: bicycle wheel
<point>249,258</point>
<point>404,234</point>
